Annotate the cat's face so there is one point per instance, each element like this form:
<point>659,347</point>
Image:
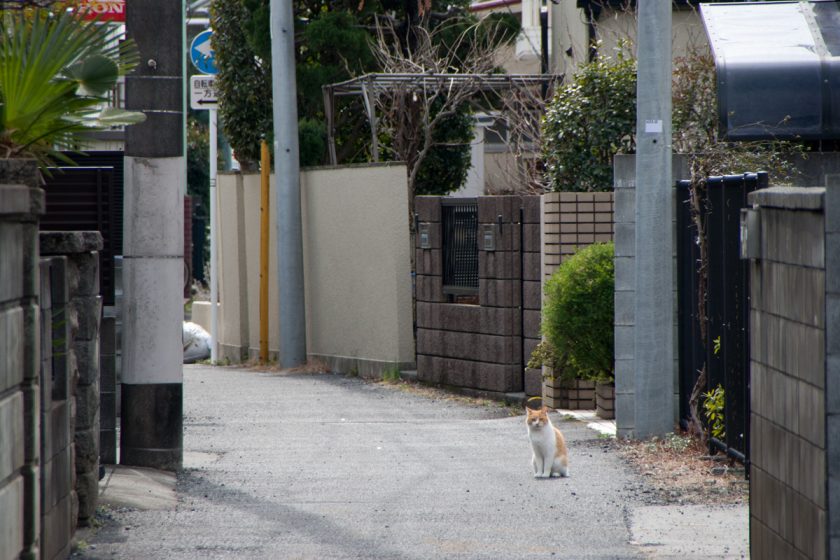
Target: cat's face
<point>536,418</point>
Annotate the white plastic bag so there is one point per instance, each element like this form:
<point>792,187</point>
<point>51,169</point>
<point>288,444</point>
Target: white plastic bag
<point>196,343</point>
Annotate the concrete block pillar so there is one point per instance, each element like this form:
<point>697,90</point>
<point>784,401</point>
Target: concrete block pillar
<point>21,203</point>
<point>81,249</point>
<point>153,246</point>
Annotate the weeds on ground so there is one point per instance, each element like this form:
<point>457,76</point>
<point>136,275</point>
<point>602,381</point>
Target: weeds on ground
<point>391,375</point>
<point>680,470</point>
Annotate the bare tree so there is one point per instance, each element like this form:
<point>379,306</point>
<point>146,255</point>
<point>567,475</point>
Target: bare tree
<point>519,125</point>
<point>410,112</point>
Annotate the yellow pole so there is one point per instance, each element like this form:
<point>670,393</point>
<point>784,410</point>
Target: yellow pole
<point>265,170</point>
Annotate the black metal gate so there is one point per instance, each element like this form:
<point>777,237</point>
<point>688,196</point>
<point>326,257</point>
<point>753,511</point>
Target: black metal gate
<point>726,355</point>
<point>89,197</point>
<point>459,218</point>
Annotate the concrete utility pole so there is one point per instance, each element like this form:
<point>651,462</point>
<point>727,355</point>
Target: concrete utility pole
<point>654,309</point>
<point>287,168</point>
<point>153,260</point>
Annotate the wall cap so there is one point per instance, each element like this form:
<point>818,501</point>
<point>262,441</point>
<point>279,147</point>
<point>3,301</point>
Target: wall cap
<point>791,198</point>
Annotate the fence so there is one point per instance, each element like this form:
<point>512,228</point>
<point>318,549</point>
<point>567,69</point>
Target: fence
<point>460,246</point>
<point>725,356</point>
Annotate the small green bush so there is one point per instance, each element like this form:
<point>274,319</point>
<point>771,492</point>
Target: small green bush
<point>578,312</point>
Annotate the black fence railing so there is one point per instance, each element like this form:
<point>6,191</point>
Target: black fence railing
<point>726,354</point>
<point>90,197</point>
<point>459,218</point>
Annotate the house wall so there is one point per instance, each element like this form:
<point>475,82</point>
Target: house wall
<point>356,268</point>
<point>570,35</point>
<point>480,347</point>
<point>794,404</point>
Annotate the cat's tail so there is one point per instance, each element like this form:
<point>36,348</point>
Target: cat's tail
<point>561,467</point>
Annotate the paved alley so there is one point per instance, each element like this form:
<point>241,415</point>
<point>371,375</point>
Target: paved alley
<point>314,466</point>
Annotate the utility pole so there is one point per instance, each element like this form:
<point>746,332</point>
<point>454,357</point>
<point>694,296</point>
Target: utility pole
<point>287,168</point>
<point>153,253</point>
<point>654,264</point>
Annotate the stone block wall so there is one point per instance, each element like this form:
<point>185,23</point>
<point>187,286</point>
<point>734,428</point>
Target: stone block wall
<point>480,346</point>
<point>108,391</point>
<point>85,311</point>
<point>21,202</point>
<point>625,288</point>
<point>791,494</point>
<point>58,496</point>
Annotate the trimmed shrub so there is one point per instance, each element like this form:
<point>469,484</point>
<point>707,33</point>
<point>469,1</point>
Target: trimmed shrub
<point>591,119</point>
<point>578,313</point>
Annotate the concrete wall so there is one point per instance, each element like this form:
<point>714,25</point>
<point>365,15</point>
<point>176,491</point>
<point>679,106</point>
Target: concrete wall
<point>625,287</point>
<point>794,474</point>
<point>480,346</point>
<point>356,260</point>
<point>358,267</point>
<point>21,202</point>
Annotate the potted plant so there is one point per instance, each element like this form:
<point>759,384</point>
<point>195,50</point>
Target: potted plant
<point>56,71</point>
<point>578,320</point>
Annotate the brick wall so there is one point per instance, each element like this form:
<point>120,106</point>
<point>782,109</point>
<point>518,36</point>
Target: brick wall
<point>21,202</point>
<point>789,505</point>
<point>480,346</point>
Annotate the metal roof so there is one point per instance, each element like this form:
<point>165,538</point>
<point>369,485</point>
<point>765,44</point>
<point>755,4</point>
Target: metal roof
<point>778,68</point>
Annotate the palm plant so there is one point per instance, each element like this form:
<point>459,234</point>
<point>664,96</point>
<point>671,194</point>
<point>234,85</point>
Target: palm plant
<point>56,70</point>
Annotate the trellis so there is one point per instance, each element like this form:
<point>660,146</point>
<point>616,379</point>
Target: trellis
<point>369,86</point>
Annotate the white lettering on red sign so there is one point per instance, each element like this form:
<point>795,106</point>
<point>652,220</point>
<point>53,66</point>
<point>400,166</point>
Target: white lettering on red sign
<point>104,10</point>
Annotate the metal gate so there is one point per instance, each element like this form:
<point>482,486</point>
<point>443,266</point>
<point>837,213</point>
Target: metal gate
<point>726,355</point>
<point>85,198</point>
<point>460,246</point>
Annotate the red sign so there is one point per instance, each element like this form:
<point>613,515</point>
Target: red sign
<point>103,10</point>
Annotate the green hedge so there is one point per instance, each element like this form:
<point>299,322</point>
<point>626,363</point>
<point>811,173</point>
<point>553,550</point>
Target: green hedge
<point>591,119</point>
<point>578,313</point>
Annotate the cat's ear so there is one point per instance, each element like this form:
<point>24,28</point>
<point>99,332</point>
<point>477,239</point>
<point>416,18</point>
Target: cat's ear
<point>546,409</point>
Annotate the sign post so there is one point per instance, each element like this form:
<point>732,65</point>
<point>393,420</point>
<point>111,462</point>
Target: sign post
<point>203,98</point>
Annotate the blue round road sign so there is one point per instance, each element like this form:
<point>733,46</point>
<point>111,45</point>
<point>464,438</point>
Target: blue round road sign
<point>202,54</point>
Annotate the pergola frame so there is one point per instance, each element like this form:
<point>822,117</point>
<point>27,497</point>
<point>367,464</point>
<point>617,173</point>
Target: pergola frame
<point>369,85</point>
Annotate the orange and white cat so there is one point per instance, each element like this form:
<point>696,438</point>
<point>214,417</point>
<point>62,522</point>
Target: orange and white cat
<point>550,455</point>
